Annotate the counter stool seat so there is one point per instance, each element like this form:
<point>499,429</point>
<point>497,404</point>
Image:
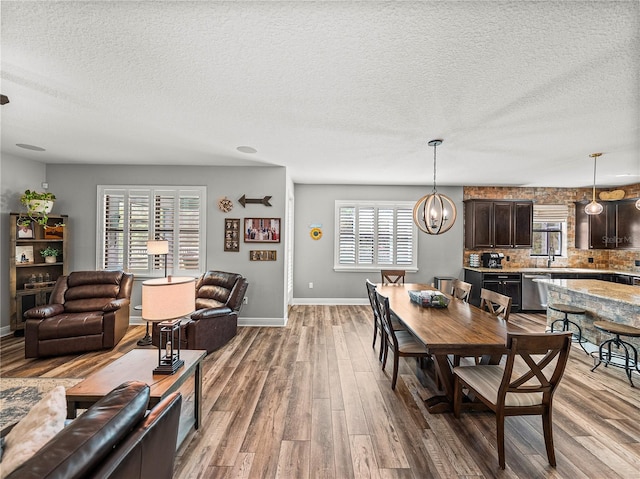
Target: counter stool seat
<point>607,357</point>
<point>567,309</point>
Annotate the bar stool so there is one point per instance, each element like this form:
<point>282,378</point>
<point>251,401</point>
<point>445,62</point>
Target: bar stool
<point>567,310</point>
<point>617,329</point>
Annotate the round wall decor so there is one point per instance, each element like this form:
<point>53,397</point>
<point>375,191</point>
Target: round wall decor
<point>225,204</point>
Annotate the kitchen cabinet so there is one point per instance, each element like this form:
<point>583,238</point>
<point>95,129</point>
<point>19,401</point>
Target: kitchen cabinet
<point>509,284</point>
<point>498,223</point>
<point>31,279</point>
<point>617,227</point>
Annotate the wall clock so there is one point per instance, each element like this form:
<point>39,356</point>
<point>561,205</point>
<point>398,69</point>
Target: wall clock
<point>225,204</point>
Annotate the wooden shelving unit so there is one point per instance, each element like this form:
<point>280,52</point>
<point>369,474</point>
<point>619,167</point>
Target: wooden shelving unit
<point>30,278</point>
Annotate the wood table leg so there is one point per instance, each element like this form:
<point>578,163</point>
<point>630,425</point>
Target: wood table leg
<point>444,402</point>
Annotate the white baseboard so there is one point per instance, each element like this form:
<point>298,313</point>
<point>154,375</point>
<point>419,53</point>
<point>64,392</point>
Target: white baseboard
<point>5,331</point>
<point>330,301</point>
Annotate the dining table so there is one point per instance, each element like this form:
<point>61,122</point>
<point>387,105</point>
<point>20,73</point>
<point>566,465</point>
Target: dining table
<point>460,329</point>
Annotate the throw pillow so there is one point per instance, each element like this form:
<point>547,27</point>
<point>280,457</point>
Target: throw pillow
<point>43,422</point>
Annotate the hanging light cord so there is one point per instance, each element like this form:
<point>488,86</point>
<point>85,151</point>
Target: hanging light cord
<point>434,167</point>
<point>595,160</point>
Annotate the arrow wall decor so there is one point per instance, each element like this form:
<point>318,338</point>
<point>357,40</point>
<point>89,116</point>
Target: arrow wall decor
<point>258,201</point>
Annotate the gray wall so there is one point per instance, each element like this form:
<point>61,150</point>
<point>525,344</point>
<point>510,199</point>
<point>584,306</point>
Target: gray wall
<point>16,175</point>
<point>313,260</point>
<point>76,189</point>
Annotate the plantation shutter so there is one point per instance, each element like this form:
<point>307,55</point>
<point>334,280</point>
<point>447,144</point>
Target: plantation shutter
<point>370,235</point>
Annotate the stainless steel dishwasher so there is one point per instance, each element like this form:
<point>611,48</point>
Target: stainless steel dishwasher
<point>534,294</point>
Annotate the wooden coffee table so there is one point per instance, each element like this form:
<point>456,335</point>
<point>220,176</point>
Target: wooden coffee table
<point>138,365</point>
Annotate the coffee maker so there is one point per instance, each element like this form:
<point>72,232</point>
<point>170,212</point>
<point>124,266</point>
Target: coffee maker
<point>492,260</point>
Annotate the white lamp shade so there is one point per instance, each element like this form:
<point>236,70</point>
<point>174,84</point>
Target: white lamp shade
<point>168,298</point>
<point>157,247</point>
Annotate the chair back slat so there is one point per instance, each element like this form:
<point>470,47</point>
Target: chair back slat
<point>385,317</point>
<point>537,352</point>
<point>497,304</point>
<point>461,290</point>
<point>393,276</point>
<point>371,292</point>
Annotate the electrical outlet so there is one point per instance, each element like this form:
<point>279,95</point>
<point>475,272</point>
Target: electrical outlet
<point>637,262</point>
<point>310,285</point>
<point>245,300</point>
<point>590,260</point>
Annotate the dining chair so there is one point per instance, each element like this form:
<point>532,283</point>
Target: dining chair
<point>524,385</point>
<point>403,343</point>
<point>377,321</point>
<point>497,304</point>
<point>461,290</point>
<point>393,276</point>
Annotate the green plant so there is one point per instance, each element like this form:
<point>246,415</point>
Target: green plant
<point>33,200</point>
<point>49,251</point>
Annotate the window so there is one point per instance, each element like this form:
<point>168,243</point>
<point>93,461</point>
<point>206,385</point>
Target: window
<point>374,235</point>
<point>549,230</point>
<point>129,216</point>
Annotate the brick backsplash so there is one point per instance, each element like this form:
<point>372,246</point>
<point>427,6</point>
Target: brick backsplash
<point>577,258</point>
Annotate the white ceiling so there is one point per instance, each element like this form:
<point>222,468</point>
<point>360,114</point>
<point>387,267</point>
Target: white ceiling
<point>338,92</point>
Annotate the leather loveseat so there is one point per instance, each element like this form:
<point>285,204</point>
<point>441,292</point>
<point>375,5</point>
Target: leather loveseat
<point>114,438</point>
<point>87,311</point>
<point>219,297</point>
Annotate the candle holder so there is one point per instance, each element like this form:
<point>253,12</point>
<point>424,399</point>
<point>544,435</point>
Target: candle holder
<point>169,343</point>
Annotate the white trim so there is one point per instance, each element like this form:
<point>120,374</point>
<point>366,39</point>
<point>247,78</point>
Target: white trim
<point>262,322</point>
<point>331,301</point>
<point>5,331</point>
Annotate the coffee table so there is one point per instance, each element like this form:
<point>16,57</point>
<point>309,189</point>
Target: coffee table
<point>138,365</point>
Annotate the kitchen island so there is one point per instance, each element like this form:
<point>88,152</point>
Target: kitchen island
<point>602,300</point>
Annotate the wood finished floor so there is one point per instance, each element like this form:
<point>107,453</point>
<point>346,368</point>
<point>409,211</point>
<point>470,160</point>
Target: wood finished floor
<point>310,401</point>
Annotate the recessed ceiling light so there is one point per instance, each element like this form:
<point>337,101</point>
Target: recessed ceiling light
<point>246,149</point>
<point>30,147</point>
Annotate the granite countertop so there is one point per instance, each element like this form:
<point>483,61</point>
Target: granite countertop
<point>553,270</point>
<point>624,293</point>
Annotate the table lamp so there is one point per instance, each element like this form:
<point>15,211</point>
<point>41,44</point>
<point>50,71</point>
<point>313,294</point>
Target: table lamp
<point>160,247</point>
<point>167,300</point>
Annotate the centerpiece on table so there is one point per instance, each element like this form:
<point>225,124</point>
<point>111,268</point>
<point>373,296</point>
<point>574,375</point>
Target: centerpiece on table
<point>429,298</point>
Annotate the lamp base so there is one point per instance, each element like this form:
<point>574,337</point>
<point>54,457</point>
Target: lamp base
<point>169,368</point>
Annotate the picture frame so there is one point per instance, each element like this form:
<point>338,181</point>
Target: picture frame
<point>232,234</point>
<point>24,254</point>
<point>262,255</point>
<point>24,230</point>
<point>262,230</point>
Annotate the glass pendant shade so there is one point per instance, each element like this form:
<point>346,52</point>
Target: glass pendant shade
<point>435,213</point>
<point>594,208</point>
<point>638,203</point>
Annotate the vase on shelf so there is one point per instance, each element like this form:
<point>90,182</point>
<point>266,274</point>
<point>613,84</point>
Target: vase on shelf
<point>50,259</point>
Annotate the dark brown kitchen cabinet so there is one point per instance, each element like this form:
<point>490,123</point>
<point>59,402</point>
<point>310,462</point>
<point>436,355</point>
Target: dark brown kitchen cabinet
<point>617,227</point>
<point>498,224</point>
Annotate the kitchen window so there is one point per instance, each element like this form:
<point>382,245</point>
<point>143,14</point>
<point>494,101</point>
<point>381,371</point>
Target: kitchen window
<point>373,235</point>
<point>130,215</point>
<point>549,230</point>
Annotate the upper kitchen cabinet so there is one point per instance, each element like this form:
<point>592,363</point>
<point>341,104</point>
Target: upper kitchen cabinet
<point>617,227</point>
<point>498,223</point>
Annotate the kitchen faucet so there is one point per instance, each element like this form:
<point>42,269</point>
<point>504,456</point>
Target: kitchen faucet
<point>551,257</point>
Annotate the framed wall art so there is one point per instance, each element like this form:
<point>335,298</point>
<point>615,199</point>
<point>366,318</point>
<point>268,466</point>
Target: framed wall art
<point>262,230</point>
<point>232,234</point>
<point>262,255</point>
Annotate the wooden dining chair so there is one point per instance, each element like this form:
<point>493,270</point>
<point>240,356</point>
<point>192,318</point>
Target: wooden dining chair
<point>377,321</point>
<point>403,343</point>
<point>497,304</point>
<point>461,290</point>
<point>526,389</point>
<point>393,276</point>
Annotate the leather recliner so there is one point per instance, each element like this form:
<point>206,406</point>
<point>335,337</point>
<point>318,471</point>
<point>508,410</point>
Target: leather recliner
<point>219,297</point>
<point>87,311</point>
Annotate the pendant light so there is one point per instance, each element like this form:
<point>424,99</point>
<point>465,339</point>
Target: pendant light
<point>594,208</point>
<point>434,213</point>
<point>638,203</point>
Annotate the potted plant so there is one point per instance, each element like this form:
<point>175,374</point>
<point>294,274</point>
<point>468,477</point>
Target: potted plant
<point>49,254</point>
<point>38,205</point>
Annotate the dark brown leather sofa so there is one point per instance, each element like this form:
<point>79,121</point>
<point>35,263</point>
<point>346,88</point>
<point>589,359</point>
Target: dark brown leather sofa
<point>219,297</point>
<point>87,311</point>
<point>114,438</point>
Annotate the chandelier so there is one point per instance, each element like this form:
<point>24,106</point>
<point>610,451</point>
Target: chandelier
<point>594,208</point>
<point>434,213</point>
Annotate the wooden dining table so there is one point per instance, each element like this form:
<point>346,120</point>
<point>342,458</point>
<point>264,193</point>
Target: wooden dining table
<point>460,329</point>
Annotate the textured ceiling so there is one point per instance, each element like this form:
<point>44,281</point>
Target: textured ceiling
<point>338,92</point>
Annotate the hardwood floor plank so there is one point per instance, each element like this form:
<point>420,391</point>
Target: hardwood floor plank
<point>319,379</point>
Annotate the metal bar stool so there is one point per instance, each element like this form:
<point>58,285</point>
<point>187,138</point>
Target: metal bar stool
<point>567,310</point>
<point>630,352</point>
